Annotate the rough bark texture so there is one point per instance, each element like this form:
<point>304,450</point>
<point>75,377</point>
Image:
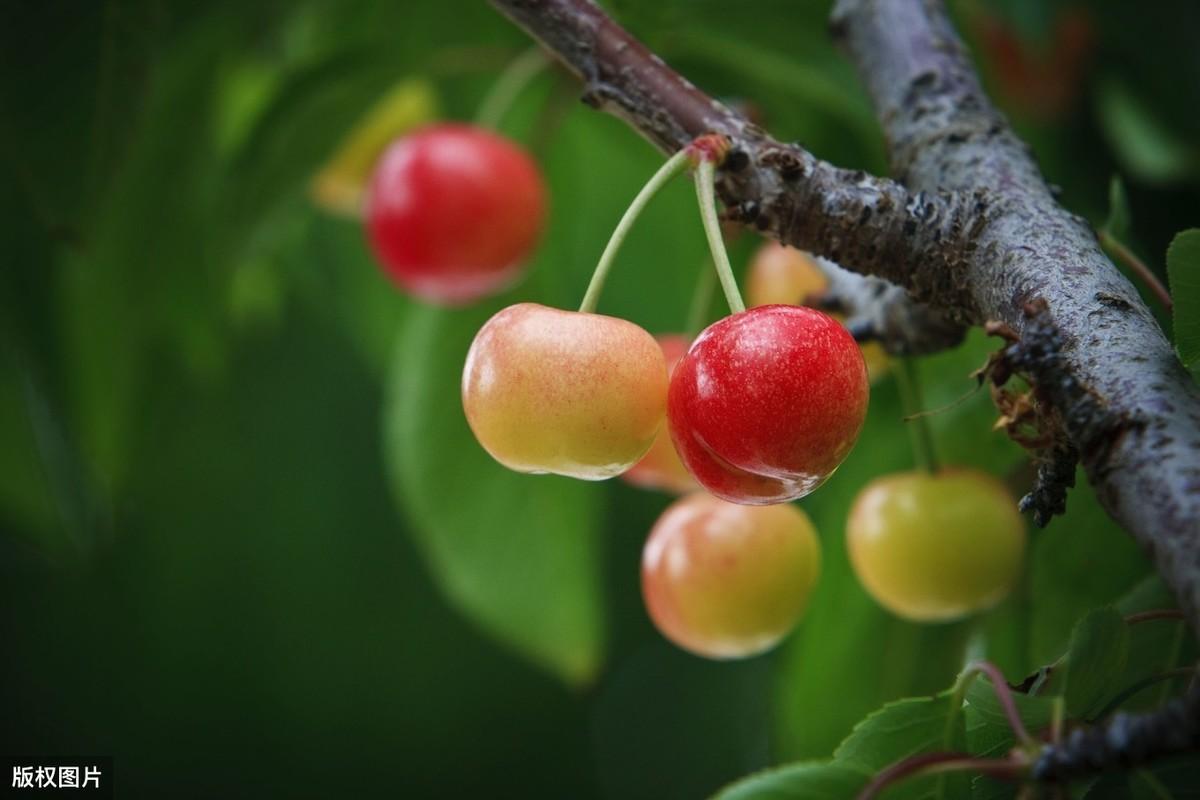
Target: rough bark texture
<point>969,229</point>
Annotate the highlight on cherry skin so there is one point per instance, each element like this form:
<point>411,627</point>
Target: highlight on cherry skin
<point>935,547</point>
<point>767,403</point>
<point>564,392</point>
<point>661,468</point>
<point>779,274</point>
<point>453,212</point>
<point>728,581</point>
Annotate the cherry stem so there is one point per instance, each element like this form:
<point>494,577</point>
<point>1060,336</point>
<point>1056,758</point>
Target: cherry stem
<point>931,763</point>
<point>706,188</point>
<point>1144,273</point>
<point>512,81</point>
<point>919,432</point>
<point>701,300</point>
<point>673,166</point>
<point>1155,614</point>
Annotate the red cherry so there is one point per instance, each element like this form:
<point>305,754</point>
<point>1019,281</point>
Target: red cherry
<point>767,403</point>
<point>453,212</point>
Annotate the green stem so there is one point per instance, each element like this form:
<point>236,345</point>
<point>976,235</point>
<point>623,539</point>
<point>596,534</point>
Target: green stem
<point>701,300</point>
<point>706,193</point>
<point>1058,711</point>
<point>512,81</point>
<point>909,383</point>
<point>674,165</point>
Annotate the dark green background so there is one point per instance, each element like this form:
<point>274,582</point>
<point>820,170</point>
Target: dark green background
<point>236,491</point>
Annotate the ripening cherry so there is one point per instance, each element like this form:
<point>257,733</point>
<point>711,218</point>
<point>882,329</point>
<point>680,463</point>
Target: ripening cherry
<point>661,468</point>
<point>566,392</point>
<point>767,403</point>
<point>933,547</point>
<point>453,212</point>
<point>782,275</point>
<point>779,274</point>
<point>727,581</point>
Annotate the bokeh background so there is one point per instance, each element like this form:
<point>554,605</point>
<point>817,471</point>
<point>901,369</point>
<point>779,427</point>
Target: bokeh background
<point>247,544</point>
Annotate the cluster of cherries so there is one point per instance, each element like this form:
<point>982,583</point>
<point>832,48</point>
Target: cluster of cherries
<point>758,410</point>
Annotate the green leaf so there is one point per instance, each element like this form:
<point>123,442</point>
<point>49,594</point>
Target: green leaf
<point>1154,647</point>
<point>1146,145</point>
<point>517,553</point>
<point>1095,661</point>
<point>1119,217</point>
<point>983,708</point>
<point>811,780</point>
<point>903,729</point>
<point>1183,271</point>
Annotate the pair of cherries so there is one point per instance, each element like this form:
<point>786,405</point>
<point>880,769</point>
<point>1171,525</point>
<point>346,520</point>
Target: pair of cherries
<point>762,408</point>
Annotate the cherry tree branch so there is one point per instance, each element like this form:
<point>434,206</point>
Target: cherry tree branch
<point>869,224</point>
<point>969,229</point>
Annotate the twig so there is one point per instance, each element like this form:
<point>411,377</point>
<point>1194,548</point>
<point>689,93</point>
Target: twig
<point>932,763</point>
<point>1144,273</point>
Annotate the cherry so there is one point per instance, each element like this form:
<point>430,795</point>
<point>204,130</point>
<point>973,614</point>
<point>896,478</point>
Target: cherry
<point>568,392</point>
<point>727,581</point>
<point>936,547</point>
<point>453,212</point>
<point>661,468</point>
<point>782,274</point>
<point>767,403</point>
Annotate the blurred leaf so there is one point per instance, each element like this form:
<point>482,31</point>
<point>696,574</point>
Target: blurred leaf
<point>804,84</point>
<point>903,729</point>
<point>1146,595</point>
<point>308,114</point>
<point>1082,560</point>
<point>1119,217</point>
<point>1172,779</point>
<point>813,780</point>
<point>1145,145</point>
<point>339,185</point>
<point>25,492</point>
<point>517,553</point>
<point>1183,271</point>
<point>666,723</point>
<point>1096,660</point>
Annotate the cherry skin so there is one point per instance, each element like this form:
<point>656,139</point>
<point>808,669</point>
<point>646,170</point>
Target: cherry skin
<point>453,212</point>
<point>782,274</point>
<point>661,468</point>
<point>767,403</point>
<point>572,393</point>
<point>728,581</point>
<point>936,547</point>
